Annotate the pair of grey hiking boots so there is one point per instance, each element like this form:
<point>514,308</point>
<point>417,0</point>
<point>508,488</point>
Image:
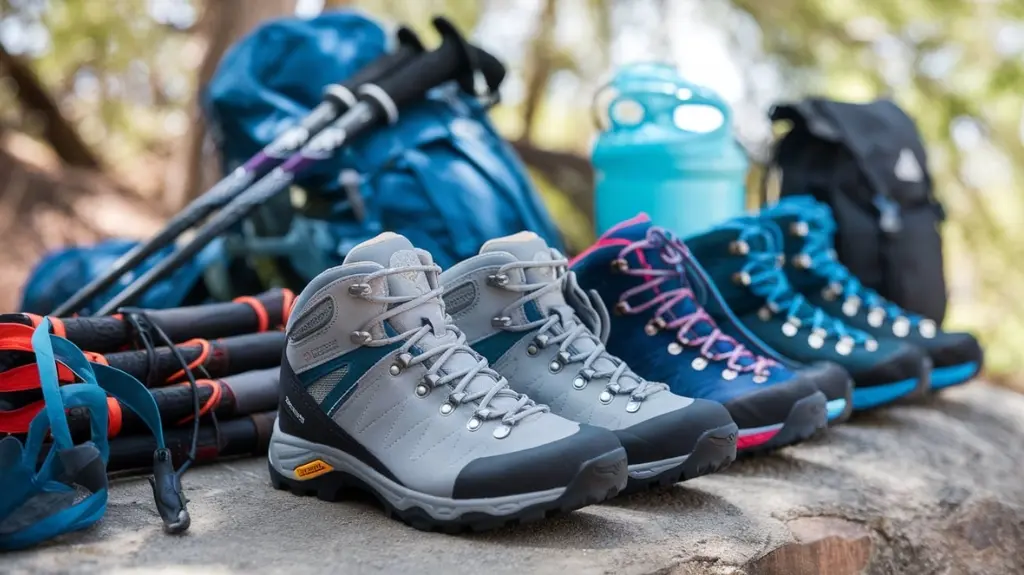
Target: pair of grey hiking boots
<point>476,397</point>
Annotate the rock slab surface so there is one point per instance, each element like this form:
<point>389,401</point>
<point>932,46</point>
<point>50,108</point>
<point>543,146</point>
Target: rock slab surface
<point>935,487</point>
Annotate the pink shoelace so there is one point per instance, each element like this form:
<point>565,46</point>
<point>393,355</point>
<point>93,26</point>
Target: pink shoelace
<point>672,253</point>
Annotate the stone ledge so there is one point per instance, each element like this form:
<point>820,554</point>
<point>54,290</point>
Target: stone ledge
<point>920,489</point>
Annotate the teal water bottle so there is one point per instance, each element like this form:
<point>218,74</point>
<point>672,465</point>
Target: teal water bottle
<point>666,148</point>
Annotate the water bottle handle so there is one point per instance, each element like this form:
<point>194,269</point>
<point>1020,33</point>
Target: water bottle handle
<point>697,95</point>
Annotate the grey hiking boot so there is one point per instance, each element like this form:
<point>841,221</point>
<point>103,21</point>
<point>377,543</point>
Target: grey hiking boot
<point>380,393</point>
<point>521,309</point>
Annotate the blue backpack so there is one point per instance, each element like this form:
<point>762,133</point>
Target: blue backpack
<point>63,272</point>
<point>441,175</point>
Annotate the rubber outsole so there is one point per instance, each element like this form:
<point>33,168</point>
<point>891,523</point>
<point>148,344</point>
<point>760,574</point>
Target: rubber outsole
<point>597,479</point>
<point>713,451</point>
<point>943,377</point>
<point>806,417</point>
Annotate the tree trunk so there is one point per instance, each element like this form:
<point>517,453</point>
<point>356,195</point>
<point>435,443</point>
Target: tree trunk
<point>34,99</point>
<point>223,23</point>
<point>541,65</point>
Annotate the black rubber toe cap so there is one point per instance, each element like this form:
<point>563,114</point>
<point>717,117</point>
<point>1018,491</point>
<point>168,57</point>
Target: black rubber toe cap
<point>672,434</point>
<point>955,349</point>
<point>830,379</point>
<point>546,466</point>
<point>771,404</point>
<point>905,362</point>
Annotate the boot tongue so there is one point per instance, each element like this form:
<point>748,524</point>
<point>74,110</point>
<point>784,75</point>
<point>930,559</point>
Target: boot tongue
<point>529,247</point>
<point>394,251</point>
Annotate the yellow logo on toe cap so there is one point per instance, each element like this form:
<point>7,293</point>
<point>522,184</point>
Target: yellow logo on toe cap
<point>314,468</point>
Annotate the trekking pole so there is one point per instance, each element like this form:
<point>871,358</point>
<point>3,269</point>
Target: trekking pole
<point>219,358</point>
<point>251,314</point>
<point>338,98</point>
<point>245,436</point>
<point>234,396</point>
<point>476,71</point>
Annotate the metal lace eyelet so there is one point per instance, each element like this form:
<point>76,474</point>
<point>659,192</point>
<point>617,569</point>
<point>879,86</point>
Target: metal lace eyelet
<point>871,345</point>
<point>359,290</point>
<point>606,397</point>
<point>633,406</point>
<point>845,345</point>
<point>739,248</point>
<point>901,327</point>
<point>395,369</point>
<point>876,317</point>
<point>851,306</point>
<point>531,350</point>
<point>654,326</point>
<point>447,408</point>
<point>473,424</point>
<point>832,291</point>
<point>741,278</point>
<point>699,363</point>
<point>422,390</point>
<point>760,378</point>
<point>578,382</point>
<point>674,348</point>
<point>801,261</point>
<point>619,265</point>
<point>502,431</point>
<point>559,362</point>
<point>817,338</point>
<point>927,328</point>
<point>799,229</point>
<point>501,321</point>
<point>764,314</point>
<point>728,374</point>
<point>497,280</point>
<point>790,328</point>
<point>361,337</point>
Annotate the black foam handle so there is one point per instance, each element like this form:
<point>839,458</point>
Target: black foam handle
<point>109,334</point>
<point>409,45</point>
<point>228,356</point>
<point>248,435</point>
<point>455,59</point>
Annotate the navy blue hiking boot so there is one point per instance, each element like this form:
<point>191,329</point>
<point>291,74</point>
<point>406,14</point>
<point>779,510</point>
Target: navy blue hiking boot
<point>743,259</point>
<point>814,270</point>
<point>658,326</point>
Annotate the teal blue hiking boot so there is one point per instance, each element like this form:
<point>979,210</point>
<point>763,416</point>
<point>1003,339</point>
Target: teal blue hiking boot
<point>814,271</point>
<point>743,259</point>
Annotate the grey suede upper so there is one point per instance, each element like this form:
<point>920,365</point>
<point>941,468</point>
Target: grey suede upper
<point>408,433</point>
<point>475,302</point>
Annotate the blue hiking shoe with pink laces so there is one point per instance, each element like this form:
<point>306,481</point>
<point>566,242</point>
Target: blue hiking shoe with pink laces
<point>659,327</point>
<point>814,270</point>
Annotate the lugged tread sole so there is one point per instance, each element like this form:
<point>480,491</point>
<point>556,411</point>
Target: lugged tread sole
<point>597,480</point>
<point>806,417</point>
<point>713,451</point>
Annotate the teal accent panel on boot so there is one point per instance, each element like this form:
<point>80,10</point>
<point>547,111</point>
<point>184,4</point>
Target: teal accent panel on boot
<point>665,148</point>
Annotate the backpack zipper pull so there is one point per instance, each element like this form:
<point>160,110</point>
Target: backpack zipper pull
<point>889,219</point>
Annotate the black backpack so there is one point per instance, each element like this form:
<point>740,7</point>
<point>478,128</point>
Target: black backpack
<point>867,162</point>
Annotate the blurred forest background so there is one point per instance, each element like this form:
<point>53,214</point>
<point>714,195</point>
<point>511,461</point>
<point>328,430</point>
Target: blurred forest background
<point>100,132</point>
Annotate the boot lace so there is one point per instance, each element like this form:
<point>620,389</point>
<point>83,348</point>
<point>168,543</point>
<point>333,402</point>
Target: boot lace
<point>822,261</point>
<point>763,274</point>
<point>437,353</point>
<point>563,328</point>
<point>673,252</point>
